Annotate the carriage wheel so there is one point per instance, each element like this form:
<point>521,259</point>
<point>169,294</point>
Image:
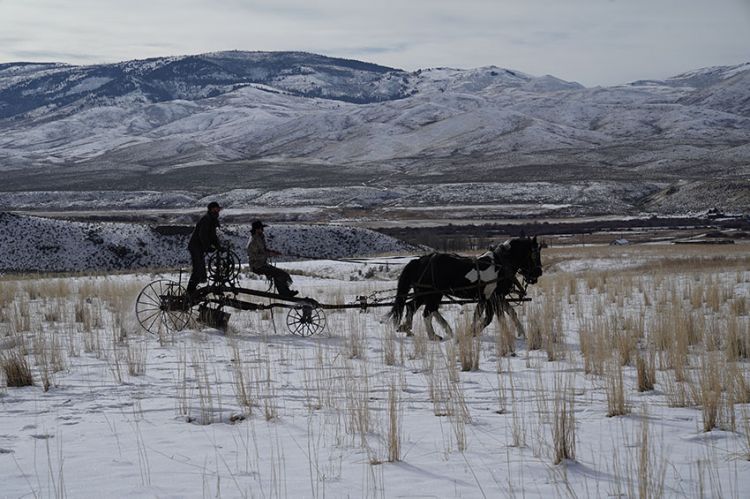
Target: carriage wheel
<point>161,305</point>
<point>306,320</point>
<point>224,266</point>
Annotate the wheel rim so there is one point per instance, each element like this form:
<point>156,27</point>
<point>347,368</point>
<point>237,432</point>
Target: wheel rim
<point>159,306</point>
<point>224,266</point>
<point>305,320</point>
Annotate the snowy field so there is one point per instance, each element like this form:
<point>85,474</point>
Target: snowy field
<point>633,380</point>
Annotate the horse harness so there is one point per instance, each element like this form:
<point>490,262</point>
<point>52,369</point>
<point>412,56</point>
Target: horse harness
<point>451,292</point>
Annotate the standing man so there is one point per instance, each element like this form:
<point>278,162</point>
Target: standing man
<point>202,241</point>
<point>258,254</point>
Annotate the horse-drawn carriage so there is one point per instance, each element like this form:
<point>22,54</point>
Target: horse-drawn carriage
<point>491,281</point>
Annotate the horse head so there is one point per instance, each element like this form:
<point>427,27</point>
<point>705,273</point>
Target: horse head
<point>532,271</point>
<point>523,255</point>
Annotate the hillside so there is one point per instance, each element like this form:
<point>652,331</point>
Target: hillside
<point>252,120</point>
<point>34,244</point>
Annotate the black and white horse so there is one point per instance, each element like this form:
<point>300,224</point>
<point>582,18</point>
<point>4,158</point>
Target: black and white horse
<point>487,279</point>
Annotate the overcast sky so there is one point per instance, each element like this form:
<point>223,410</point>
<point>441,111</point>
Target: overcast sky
<point>594,42</point>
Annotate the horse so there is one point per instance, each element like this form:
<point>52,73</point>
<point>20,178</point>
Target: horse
<point>487,279</point>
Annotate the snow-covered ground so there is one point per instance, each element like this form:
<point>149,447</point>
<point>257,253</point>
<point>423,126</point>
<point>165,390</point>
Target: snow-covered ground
<point>608,196</point>
<point>362,411</point>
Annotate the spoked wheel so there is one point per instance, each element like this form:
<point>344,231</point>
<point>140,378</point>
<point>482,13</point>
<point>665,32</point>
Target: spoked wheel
<point>306,320</point>
<point>162,305</point>
<point>224,266</point>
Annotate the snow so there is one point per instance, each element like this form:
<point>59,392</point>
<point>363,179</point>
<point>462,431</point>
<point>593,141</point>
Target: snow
<point>513,197</point>
<point>178,429</point>
<point>435,113</point>
<point>89,84</point>
<point>36,244</point>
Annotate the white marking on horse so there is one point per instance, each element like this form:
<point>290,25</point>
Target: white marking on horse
<point>488,275</point>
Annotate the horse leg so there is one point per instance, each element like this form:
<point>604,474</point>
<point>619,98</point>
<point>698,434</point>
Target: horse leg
<point>486,308</point>
<point>408,322</point>
<point>475,320</point>
<point>519,326</point>
<point>511,312</point>
<point>443,323</point>
<point>430,309</point>
<point>491,306</point>
<point>430,329</point>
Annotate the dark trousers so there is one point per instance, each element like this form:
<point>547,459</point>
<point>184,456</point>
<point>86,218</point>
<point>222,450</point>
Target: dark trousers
<point>198,274</point>
<point>281,279</point>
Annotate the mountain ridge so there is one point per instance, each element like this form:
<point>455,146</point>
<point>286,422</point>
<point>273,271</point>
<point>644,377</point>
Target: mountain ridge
<point>295,119</point>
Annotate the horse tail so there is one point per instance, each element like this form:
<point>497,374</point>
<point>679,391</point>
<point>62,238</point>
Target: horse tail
<point>405,282</point>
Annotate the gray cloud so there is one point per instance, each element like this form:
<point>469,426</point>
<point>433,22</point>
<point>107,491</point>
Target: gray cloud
<point>51,56</point>
<point>379,50</point>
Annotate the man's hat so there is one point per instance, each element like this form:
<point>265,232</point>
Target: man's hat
<point>212,205</point>
<point>258,225</point>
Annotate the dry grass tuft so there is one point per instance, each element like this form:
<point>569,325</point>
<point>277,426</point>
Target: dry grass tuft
<point>389,347</point>
<point>651,470</point>
<point>469,346</point>
<point>615,389</point>
<point>594,345</point>
<point>646,372</point>
<point>505,340</point>
<point>737,345</point>
<point>709,392</point>
<point>16,369</point>
<point>564,423</point>
<point>394,425</point>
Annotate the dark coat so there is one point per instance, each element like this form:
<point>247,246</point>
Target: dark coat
<point>204,236</point>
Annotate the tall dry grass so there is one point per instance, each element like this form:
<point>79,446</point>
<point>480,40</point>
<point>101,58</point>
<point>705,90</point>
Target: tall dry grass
<point>645,365</point>
<point>615,390</point>
<point>564,422</point>
<point>394,424</point>
<point>674,317</point>
<point>469,345</point>
<point>15,368</point>
<point>676,326</point>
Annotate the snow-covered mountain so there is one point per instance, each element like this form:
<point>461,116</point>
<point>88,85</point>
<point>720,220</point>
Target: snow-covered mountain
<point>227,120</point>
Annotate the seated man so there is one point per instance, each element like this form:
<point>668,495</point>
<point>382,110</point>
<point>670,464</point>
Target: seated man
<point>258,254</point>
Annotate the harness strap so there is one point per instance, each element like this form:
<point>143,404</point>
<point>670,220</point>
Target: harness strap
<point>451,292</point>
<point>447,292</point>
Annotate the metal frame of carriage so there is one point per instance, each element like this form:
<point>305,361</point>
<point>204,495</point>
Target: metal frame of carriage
<point>163,304</point>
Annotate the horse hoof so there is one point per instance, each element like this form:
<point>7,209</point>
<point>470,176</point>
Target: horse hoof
<point>404,329</point>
